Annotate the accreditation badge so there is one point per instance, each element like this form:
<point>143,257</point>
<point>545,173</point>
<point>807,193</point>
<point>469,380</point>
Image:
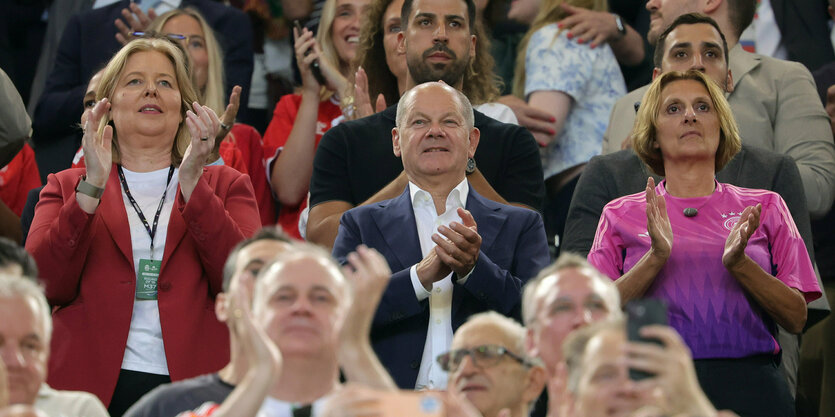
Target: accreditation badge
<point>146,279</point>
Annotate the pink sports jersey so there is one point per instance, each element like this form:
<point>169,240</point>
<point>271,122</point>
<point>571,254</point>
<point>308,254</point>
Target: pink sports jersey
<point>707,306</point>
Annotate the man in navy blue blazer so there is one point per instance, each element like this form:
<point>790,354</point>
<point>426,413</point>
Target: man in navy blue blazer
<point>87,45</point>
<point>454,252</point>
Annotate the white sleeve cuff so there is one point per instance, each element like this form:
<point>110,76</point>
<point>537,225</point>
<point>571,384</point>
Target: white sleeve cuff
<point>463,280</point>
<point>420,291</point>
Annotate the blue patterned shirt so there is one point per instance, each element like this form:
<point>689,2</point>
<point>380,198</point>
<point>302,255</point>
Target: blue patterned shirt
<point>593,80</point>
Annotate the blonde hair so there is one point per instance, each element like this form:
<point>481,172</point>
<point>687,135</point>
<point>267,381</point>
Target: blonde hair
<point>113,70</point>
<point>324,37</point>
<point>646,122</point>
<point>549,13</point>
<point>214,93</point>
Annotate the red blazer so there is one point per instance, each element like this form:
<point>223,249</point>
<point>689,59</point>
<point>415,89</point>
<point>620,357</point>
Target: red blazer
<point>86,264</point>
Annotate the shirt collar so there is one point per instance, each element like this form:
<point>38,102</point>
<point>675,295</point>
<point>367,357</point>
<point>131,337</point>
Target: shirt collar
<point>456,198</point>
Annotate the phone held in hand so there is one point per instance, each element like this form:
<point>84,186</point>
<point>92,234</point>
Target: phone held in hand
<point>642,313</point>
<point>314,66</point>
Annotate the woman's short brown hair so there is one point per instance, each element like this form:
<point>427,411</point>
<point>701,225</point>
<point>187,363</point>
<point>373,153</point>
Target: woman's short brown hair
<point>644,131</point>
<point>113,70</point>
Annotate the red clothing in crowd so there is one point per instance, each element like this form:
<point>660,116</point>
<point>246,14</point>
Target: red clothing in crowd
<point>86,263</point>
<point>17,178</point>
<point>276,136</point>
<point>241,149</point>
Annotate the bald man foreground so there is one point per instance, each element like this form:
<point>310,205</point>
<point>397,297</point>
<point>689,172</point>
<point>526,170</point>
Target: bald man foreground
<point>454,253</point>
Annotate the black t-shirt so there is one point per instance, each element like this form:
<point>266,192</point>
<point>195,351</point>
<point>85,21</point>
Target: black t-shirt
<point>168,400</point>
<point>355,160</point>
<point>635,14</point>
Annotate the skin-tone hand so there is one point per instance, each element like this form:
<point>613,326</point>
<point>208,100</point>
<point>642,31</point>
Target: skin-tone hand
<point>98,154</point>
<point>430,270</point>
<point>830,106</point>
<point>459,247</point>
<point>334,80</point>
<point>254,341</point>
<point>353,401</point>
<point>658,223</point>
<point>362,99</point>
<point>457,405</point>
<point>4,389</point>
<point>133,20</point>
<point>264,360</point>
<point>673,373</point>
<point>536,120</point>
<point>228,117</point>
<point>738,237</point>
<point>590,26</point>
<point>202,124</point>
<point>369,273</point>
<point>557,387</point>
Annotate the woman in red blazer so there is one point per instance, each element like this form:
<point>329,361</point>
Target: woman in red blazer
<point>131,248</point>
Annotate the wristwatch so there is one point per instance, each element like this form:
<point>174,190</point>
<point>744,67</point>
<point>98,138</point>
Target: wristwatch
<point>620,25</point>
<point>86,188</point>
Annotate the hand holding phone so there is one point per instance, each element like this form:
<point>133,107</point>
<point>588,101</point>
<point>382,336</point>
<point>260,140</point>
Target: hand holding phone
<point>641,313</point>
<point>314,66</point>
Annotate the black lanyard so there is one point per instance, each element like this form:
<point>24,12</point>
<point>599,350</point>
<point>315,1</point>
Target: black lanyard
<point>151,231</point>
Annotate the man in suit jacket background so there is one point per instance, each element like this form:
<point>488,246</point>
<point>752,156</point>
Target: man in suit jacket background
<point>773,100</point>
<point>88,43</point>
<point>454,252</point>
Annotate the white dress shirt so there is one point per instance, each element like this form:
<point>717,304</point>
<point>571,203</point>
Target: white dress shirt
<point>439,333</point>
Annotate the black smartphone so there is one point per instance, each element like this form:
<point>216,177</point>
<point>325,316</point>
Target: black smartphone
<point>640,313</point>
<point>314,66</point>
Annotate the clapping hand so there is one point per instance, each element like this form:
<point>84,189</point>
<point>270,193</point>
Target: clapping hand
<point>98,153</point>
<point>459,247</point>
<point>658,223</point>
<point>137,21</point>
<point>263,353</point>
<point>228,117</point>
<point>369,274</point>
<point>362,97</point>
<point>203,125</point>
<point>737,240</point>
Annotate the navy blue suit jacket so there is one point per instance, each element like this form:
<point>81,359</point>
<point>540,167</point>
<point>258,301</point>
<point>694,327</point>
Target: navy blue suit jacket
<point>513,250</point>
<point>87,45</point>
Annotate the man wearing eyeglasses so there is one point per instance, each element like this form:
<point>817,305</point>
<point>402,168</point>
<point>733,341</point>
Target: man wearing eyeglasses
<point>488,366</point>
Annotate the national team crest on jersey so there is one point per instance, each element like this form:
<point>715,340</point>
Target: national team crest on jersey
<point>731,218</point>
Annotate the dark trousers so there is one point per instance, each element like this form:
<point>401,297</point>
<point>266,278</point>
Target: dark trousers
<point>750,387</point>
<point>130,387</point>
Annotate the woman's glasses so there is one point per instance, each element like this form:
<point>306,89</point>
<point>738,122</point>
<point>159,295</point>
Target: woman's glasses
<point>193,41</point>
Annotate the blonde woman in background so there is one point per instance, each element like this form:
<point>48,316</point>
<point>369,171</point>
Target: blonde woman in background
<point>300,119</point>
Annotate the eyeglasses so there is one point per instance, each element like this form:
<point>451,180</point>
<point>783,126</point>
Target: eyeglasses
<point>483,356</point>
<point>193,41</point>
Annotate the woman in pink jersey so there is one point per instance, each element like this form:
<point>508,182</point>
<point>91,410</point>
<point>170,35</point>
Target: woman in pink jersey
<point>728,261</point>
